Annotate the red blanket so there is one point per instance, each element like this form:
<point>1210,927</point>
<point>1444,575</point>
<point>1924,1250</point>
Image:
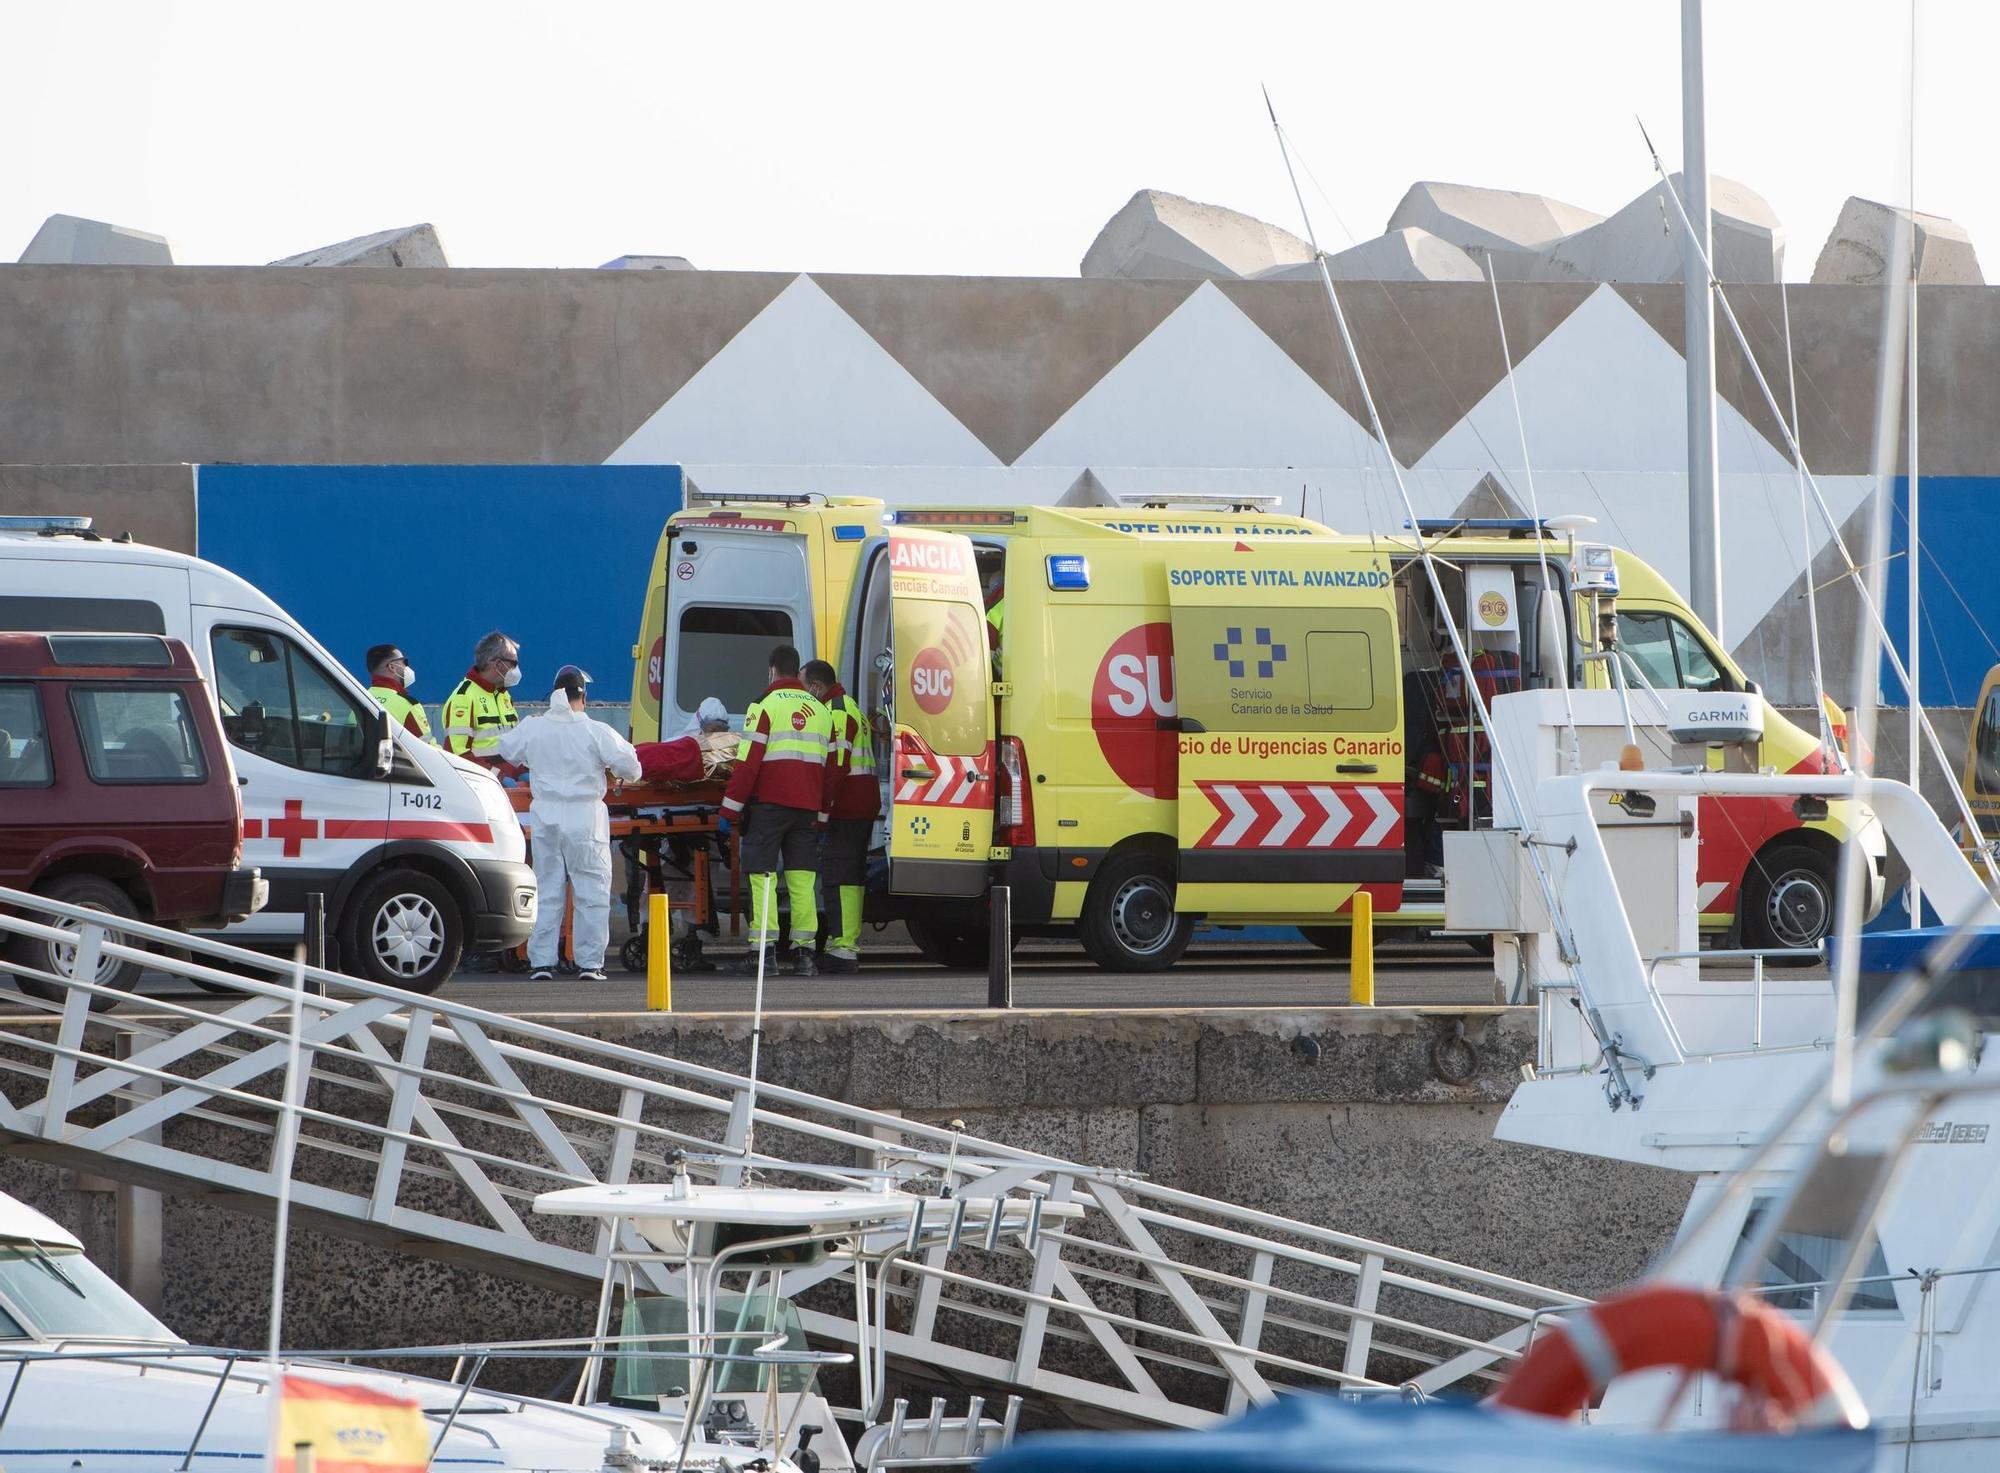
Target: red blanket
<point>677,761</point>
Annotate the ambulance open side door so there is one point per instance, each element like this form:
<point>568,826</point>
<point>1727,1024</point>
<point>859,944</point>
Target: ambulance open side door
<point>1289,683</point>
<point>926,685</point>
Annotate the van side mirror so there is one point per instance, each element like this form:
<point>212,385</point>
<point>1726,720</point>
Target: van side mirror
<point>383,742</point>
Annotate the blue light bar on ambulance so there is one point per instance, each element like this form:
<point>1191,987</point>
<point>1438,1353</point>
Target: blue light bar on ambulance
<point>849,534</point>
<point>926,517</point>
<point>1069,572</point>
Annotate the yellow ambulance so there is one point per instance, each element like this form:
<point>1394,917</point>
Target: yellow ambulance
<point>1192,710</point>
<point>1980,780</point>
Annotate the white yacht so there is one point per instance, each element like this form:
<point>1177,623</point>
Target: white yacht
<point>1855,1185</point>
<point>77,1347</point>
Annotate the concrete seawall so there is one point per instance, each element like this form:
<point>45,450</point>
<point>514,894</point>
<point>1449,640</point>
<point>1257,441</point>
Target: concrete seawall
<point>1341,1117</point>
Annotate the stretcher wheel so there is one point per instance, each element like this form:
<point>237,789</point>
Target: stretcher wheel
<point>513,962</point>
<point>632,955</point>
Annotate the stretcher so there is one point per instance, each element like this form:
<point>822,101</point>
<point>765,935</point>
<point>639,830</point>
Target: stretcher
<point>658,826</point>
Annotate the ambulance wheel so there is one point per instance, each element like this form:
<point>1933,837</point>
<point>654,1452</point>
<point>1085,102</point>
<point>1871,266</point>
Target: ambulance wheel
<point>1333,940</point>
<point>1129,923</point>
<point>957,948</point>
<point>1787,899</point>
<point>403,929</point>
<point>88,892</point>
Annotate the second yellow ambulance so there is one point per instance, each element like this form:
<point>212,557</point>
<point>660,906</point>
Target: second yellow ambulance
<point>1142,717</point>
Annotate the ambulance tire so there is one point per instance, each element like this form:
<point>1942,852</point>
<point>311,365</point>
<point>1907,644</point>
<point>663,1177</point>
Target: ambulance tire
<point>957,948</point>
<point>402,928</point>
<point>1788,900</point>
<point>1129,923</point>
<point>89,892</point>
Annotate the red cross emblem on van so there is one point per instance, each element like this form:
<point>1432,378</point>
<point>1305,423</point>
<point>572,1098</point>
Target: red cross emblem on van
<point>294,828</point>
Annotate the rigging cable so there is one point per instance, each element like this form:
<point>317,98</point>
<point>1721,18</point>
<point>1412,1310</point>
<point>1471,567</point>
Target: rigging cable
<point>1826,741</point>
<point>1612,1053</point>
<point>1535,511</point>
<point>1870,603</point>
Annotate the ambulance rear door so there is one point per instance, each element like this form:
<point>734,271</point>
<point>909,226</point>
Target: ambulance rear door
<point>734,585</point>
<point>922,652</point>
<point>1291,728</point>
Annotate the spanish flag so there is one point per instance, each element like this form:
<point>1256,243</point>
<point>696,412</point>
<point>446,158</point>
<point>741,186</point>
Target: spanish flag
<point>350,1429</point>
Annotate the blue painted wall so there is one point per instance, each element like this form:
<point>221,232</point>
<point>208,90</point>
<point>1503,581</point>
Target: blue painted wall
<point>1958,523</point>
<point>431,557</point>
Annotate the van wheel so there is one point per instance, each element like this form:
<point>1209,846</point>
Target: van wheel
<point>90,892</point>
<point>1333,940</point>
<point>402,928</point>
<point>958,948</point>
<point>1129,923</point>
<point>1788,899</point>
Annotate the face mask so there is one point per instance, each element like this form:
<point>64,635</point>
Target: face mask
<point>409,676</point>
<point>513,678</point>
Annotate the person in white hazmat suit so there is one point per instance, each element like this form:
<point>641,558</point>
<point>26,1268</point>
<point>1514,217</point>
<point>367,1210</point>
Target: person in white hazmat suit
<point>570,758</point>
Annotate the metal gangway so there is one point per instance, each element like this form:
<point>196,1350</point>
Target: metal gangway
<point>428,1126</point>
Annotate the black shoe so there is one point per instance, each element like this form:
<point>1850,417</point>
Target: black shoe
<point>831,965</point>
<point>542,974</point>
<point>746,964</point>
<point>800,963</point>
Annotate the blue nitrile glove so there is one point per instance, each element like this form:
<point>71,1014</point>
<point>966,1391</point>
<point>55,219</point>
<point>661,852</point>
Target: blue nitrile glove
<point>722,826</point>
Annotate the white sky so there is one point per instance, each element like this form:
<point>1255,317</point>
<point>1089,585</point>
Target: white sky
<point>942,138</point>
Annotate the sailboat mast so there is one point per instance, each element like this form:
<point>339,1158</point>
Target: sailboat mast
<point>1698,319</point>
<point>1915,548</point>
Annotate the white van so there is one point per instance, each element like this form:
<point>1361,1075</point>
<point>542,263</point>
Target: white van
<point>418,852</point>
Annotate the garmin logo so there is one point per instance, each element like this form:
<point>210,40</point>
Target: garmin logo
<point>1699,716</point>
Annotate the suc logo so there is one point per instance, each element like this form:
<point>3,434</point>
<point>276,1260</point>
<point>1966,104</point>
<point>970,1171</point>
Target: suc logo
<point>931,680</point>
<point>1131,697</point>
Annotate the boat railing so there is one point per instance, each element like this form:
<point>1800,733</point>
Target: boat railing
<point>469,1360</point>
<point>432,1125</point>
<point>1704,993</point>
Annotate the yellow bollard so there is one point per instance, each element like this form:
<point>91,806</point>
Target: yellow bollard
<point>659,956</point>
<point>1361,964</point>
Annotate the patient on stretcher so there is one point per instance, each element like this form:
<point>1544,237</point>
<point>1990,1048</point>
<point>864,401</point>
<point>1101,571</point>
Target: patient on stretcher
<point>705,752</point>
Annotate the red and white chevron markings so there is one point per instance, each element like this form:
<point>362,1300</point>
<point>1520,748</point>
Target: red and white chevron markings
<point>952,782</point>
<point>1302,816</point>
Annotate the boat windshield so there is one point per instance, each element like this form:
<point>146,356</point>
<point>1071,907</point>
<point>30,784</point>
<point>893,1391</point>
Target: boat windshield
<point>742,1321</point>
<point>56,1293</point>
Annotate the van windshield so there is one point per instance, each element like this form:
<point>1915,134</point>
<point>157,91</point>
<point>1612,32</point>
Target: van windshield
<point>56,1292</point>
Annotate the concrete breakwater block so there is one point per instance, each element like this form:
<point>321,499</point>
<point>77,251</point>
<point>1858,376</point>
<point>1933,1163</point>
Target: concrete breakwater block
<point>1858,251</point>
<point>70,240</point>
<point>1162,237</point>
<point>408,245</point>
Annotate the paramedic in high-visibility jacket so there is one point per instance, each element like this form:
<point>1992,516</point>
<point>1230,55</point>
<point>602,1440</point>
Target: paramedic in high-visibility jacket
<point>479,708</point>
<point>779,792</point>
<point>853,802</point>
<point>390,677</point>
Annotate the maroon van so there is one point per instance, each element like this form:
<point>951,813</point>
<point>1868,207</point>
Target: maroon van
<point>116,792</point>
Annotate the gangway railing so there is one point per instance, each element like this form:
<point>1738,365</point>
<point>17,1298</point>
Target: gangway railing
<point>430,1125</point>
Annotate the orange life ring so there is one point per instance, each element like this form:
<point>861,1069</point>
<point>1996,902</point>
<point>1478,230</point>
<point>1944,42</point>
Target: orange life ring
<point>1738,1337</point>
